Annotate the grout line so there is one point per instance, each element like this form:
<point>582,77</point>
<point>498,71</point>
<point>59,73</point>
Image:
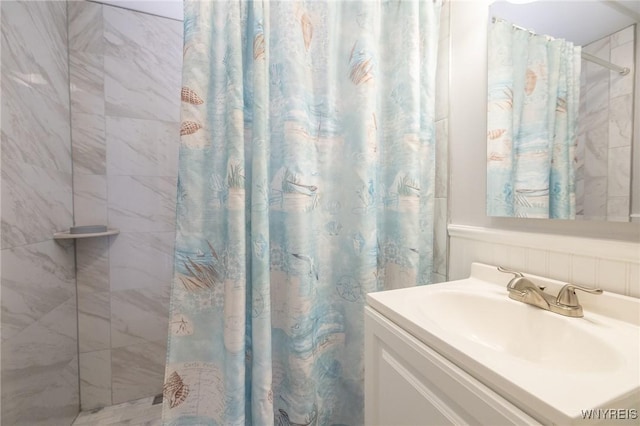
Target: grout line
<point>73,218</point>
<point>627,278</point>
<point>570,272</point>
<point>134,10</point>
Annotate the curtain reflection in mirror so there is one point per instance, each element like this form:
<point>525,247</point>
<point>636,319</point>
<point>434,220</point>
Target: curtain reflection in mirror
<point>533,99</point>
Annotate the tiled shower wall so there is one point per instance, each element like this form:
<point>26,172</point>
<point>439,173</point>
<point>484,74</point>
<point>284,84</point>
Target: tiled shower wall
<point>603,177</point>
<point>440,240</point>
<point>125,71</point>
<point>39,371</point>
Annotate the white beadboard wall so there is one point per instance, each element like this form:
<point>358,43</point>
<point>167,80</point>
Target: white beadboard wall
<point>608,264</point>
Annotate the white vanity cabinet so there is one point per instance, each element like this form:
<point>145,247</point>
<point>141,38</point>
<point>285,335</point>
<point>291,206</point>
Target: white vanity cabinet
<point>408,383</point>
<point>464,352</point>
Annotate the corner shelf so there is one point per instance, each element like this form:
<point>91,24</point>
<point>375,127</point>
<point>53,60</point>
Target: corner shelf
<point>69,236</point>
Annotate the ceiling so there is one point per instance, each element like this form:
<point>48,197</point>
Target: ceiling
<point>578,21</point>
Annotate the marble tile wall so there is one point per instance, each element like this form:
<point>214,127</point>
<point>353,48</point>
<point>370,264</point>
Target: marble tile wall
<point>39,372</point>
<point>125,103</point>
<point>441,238</point>
<point>605,133</point>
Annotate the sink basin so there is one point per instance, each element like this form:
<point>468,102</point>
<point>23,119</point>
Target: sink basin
<point>516,329</point>
<point>551,366</point>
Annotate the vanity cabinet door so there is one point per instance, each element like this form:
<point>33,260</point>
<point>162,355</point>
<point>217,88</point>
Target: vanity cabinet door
<point>407,383</point>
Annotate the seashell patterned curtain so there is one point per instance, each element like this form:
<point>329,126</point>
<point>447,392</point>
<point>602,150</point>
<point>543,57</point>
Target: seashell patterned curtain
<point>533,99</point>
<point>306,180</point>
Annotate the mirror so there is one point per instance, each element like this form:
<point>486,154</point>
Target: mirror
<point>583,170</point>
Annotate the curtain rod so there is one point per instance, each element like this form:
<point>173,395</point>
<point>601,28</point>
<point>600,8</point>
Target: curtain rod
<point>589,57</point>
<point>586,56</point>
<point>517,27</point>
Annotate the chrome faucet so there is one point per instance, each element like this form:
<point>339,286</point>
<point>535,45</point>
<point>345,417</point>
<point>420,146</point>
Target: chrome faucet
<point>565,303</point>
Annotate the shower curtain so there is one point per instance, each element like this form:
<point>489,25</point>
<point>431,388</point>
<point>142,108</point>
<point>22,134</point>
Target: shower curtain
<point>306,180</point>
<point>533,99</point>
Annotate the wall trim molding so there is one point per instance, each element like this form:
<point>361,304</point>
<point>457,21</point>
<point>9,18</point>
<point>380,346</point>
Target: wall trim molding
<point>581,246</point>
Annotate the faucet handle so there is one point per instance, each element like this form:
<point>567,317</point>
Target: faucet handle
<point>567,294</point>
<point>516,278</point>
<point>509,271</point>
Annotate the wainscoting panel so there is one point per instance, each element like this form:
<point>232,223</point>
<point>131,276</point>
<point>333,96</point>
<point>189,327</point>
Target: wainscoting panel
<point>608,264</point>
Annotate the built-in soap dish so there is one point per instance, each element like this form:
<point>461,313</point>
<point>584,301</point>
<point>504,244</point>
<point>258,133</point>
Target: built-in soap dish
<point>86,231</point>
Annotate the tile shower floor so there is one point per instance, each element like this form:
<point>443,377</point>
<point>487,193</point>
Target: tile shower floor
<point>139,412</point>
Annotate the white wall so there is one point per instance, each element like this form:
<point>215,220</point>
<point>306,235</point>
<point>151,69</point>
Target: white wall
<point>467,134</point>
